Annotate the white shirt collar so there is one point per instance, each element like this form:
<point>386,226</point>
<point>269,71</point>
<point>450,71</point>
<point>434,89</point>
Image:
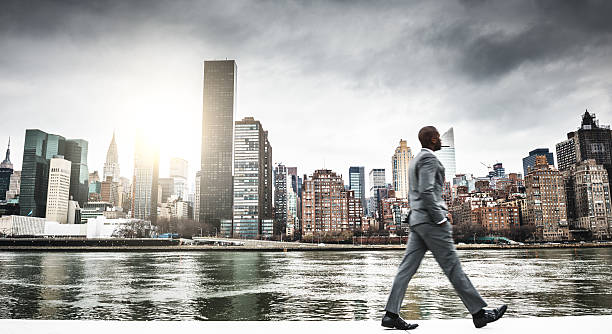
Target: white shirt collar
<point>426,149</point>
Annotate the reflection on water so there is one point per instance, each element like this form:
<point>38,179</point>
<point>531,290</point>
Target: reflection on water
<point>294,285</point>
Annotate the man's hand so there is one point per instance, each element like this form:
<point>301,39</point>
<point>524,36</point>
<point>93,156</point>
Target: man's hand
<point>449,217</point>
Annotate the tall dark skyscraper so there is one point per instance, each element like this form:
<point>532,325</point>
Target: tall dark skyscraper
<point>6,170</point>
<point>146,179</point>
<point>280,195</point>
<point>219,101</point>
<point>590,141</point>
<point>268,208</point>
<point>38,149</point>
<point>76,153</point>
<point>529,161</point>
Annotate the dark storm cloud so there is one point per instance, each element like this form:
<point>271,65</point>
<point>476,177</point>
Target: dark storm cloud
<point>551,31</point>
<point>45,18</point>
<point>486,63</point>
<point>484,39</point>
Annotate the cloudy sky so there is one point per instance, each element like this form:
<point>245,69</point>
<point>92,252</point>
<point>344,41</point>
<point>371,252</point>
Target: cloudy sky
<point>336,83</point>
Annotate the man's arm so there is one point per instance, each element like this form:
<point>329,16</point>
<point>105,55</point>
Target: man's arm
<point>427,179</point>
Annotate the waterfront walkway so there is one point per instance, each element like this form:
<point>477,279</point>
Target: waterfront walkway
<point>560,325</point>
<point>229,244</point>
<point>266,246</point>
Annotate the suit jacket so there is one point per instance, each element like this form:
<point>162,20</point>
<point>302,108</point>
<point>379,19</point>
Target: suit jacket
<point>425,184</point>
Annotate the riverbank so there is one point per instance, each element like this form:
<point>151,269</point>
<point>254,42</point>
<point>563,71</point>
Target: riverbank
<point>160,245</point>
<point>557,325</point>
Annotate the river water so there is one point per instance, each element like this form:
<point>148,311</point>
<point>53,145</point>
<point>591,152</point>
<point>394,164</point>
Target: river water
<point>294,285</point>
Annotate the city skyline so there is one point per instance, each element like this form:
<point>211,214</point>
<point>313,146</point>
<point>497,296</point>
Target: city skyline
<point>191,176</point>
<point>374,98</point>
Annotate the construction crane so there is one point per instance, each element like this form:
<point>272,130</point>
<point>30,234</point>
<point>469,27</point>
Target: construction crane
<point>482,163</point>
<point>489,168</point>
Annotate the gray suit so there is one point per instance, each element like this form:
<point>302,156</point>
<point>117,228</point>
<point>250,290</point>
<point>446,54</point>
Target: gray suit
<point>427,209</point>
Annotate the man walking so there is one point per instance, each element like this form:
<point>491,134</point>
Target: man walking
<point>431,230</point>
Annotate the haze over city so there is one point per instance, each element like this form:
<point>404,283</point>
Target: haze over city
<point>336,84</point>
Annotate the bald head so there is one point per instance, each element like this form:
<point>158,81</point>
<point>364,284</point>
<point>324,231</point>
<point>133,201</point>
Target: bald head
<point>430,138</point>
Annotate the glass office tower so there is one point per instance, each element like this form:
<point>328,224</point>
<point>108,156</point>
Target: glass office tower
<point>216,183</point>
<point>76,153</point>
<point>39,148</point>
<point>447,155</point>
<point>357,183</point>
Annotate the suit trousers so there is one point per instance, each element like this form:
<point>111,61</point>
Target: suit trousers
<point>439,240</point>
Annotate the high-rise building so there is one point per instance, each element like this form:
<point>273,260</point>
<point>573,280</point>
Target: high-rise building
<point>111,165</point>
<point>588,200</point>
<point>6,170</point>
<point>269,184</point>
<point>322,202</point>
<point>251,187</point>
<point>377,180</point>
<point>296,187</point>
<point>178,172</point>
<point>76,153</point>
<point>196,202</point>
<point>109,191</point>
<point>125,193</point>
<point>58,189</point>
<point>280,196</point>
<point>353,213</point>
<point>446,154</point>
<point>39,148</point>
<point>529,161</point>
<point>145,182</point>
<point>399,164</point>
<point>357,183</point>
<point>590,141</point>
<point>292,205</point>
<point>167,188</point>
<point>566,154</point>
<point>14,185</point>
<point>546,204</point>
<point>498,170</point>
<point>219,100</point>
<point>327,206</point>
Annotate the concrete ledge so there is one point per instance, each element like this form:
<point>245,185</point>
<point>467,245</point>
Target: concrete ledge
<point>560,325</point>
<point>281,247</point>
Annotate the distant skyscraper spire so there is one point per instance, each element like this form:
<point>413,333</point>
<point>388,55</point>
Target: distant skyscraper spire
<point>111,166</point>
<point>6,170</point>
<point>7,161</point>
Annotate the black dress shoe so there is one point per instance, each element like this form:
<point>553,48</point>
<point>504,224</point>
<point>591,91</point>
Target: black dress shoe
<point>397,323</point>
<point>488,316</point>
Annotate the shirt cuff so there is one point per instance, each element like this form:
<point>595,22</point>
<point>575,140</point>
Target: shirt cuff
<point>442,221</point>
